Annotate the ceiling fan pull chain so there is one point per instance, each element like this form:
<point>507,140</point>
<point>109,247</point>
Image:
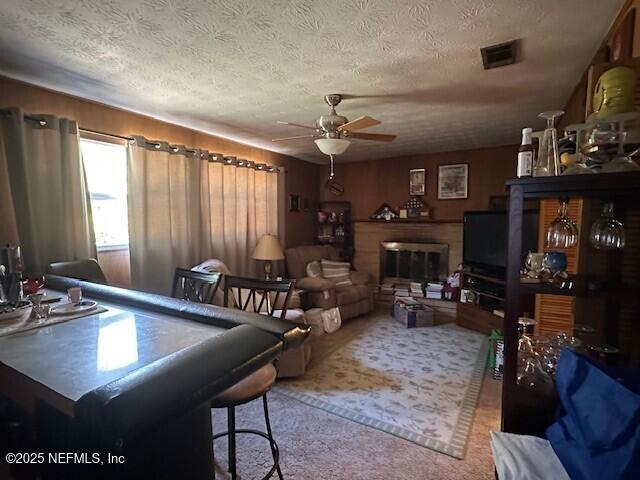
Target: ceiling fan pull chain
<point>332,173</point>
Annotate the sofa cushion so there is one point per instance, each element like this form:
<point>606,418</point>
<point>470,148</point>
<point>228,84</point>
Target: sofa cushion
<point>323,299</point>
<point>315,284</point>
<point>299,257</point>
<point>351,294</point>
<point>314,269</point>
<point>337,272</point>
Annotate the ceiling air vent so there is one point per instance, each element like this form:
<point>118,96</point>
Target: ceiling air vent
<point>499,55</point>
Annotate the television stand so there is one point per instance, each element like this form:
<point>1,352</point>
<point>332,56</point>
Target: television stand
<point>475,309</point>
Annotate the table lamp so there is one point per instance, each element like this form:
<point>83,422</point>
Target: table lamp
<point>268,249</point>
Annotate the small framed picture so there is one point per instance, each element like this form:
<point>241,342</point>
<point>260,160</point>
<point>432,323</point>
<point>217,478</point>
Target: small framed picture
<point>453,181</point>
<point>294,203</point>
<point>417,181</point>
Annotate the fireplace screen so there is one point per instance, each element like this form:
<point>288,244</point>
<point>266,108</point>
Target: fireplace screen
<point>417,262</point>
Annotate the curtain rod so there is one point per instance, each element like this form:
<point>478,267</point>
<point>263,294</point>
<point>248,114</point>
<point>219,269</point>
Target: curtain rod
<point>224,159</point>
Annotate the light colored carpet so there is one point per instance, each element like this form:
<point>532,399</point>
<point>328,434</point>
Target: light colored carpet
<point>315,444</point>
<point>419,384</point>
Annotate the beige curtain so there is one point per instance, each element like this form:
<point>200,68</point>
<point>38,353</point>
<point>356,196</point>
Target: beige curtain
<point>48,188</point>
<point>186,207</point>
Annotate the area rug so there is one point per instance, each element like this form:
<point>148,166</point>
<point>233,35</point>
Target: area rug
<point>420,384</point>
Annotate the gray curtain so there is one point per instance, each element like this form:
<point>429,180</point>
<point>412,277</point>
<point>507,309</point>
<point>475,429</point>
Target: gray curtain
<point>51,207</point>
<point>188,206</point>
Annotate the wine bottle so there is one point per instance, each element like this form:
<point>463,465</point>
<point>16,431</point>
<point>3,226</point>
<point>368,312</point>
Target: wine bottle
<point>525,155</point>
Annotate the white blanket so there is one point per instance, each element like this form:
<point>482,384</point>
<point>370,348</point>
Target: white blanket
<point>522,457</point>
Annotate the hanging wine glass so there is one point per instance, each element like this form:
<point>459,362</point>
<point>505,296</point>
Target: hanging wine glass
<point>562,232</point>
<point>548,163</point>
<point>607,233</point>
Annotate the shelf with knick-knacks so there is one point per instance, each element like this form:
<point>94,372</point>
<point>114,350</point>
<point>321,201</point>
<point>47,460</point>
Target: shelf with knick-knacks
<point>604,300</point>
<point>334,227</point>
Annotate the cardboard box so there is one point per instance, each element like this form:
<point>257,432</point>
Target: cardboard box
<point>412,315</point>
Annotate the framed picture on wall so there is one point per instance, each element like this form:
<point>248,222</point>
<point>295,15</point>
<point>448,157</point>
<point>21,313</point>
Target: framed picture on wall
<point>453,181</point>
<point>417,181</point>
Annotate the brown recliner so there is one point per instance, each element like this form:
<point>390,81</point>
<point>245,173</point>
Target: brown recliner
<point>351,300</point>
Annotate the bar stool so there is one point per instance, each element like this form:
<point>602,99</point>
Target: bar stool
<point>260,296</point>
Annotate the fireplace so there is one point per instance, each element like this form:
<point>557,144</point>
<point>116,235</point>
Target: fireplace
<point>418,262</point>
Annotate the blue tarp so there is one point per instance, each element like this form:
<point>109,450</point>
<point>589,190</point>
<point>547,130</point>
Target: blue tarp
<point>598,435</point>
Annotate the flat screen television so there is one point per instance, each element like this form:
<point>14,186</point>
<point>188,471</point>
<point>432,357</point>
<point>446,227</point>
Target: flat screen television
<point>484,241</point>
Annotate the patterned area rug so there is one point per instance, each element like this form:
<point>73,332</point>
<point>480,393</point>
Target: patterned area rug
<point>419,384</point>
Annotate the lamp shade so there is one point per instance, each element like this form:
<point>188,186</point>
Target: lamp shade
<point>332,146</point>
<point>268,248</point>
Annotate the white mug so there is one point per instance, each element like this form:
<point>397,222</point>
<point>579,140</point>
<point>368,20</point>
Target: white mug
<point>75,295</point>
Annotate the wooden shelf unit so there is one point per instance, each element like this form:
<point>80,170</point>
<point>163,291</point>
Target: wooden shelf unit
<point>602,294</point>
<point>326,232</point>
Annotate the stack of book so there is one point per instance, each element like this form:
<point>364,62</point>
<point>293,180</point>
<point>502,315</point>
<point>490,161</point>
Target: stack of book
<point>415,290</point>
<point>386,288</point>
<point>434,290</point>
<point>401,291</point>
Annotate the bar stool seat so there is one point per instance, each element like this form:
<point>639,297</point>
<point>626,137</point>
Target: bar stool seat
<point>259,296</point>
<point>247,389</point>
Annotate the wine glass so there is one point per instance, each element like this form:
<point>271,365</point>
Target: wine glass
<point>602,142</point>
<point>607,233</point>
<point>629,145</point>
<point>578,167</point>
<point>605,354</point>
<point>532,375</point>
<point>548,163</point>
<point>562,232</point>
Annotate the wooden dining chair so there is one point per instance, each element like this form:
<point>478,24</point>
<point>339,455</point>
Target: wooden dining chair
<point>195,286</point>
<point>268,297</point>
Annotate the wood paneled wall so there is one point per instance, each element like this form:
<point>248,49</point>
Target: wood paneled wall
<point>301,176</point>
<point>369,184</point>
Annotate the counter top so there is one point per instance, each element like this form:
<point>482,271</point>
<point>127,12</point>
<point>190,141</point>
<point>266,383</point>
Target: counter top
<point>78,356</point>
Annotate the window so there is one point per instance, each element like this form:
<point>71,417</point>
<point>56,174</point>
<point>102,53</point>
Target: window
<point>106,169</point>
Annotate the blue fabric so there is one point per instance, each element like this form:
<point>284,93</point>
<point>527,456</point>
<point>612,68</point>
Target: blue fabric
<point>598,437</point>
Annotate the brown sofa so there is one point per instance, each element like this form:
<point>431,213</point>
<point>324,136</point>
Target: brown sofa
<point>352,300</point>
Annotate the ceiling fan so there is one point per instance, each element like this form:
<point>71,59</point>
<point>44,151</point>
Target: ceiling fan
<point>332,132</point>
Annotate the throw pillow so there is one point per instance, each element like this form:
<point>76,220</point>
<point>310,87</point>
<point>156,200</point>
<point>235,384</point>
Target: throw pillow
<point>337,272</point>
<point>314,270</point>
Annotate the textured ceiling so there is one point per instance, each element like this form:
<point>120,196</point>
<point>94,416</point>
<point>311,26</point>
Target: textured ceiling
<point>235,67</point>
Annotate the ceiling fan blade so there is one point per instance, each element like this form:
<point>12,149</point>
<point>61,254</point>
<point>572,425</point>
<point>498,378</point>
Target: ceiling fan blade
<point>291,138</point>
<point>378,137</point>
<point>359,123</point>
<point>296,125</point>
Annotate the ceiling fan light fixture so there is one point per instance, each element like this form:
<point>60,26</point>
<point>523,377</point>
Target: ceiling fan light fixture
<point>332,146</point>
